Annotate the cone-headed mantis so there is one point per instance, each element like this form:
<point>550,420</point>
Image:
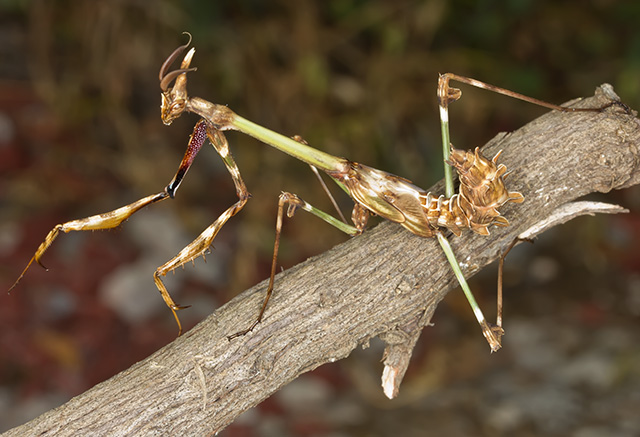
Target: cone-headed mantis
<point>476,205</point>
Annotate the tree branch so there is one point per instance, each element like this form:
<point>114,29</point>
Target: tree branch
<point>386,283</point>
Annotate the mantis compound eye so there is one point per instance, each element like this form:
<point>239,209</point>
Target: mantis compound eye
<point>171,110</point>
<point>177,107</point>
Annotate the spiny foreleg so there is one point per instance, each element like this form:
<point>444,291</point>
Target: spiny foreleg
<point>200,246</point>
<point>107,220</point>
<point>113,219</point>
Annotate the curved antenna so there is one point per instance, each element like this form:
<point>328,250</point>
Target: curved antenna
<point>170,60</point>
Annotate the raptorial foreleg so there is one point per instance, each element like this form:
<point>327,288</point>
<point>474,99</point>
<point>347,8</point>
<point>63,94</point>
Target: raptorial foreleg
<point>107,220</point>
<point>201,244</point>
<point>113,219</point>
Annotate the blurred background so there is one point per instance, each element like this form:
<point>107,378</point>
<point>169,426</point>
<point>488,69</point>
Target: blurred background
<point>80,134</point>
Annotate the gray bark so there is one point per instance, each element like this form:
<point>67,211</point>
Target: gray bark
<point>385,283</point>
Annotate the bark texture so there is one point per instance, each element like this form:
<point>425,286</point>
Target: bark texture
<point>385,283</point>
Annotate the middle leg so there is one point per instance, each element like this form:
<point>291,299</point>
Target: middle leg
<point>292,203</point>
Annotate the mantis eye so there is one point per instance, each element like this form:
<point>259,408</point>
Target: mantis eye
<point>172,111</point>
<point>178,107</point>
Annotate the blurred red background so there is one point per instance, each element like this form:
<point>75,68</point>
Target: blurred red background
<point>80,133</point>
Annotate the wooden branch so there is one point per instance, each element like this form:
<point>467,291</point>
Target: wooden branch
<point>385,283</point>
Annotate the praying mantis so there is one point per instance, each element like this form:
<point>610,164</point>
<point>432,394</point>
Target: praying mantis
<point>476,206</point>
